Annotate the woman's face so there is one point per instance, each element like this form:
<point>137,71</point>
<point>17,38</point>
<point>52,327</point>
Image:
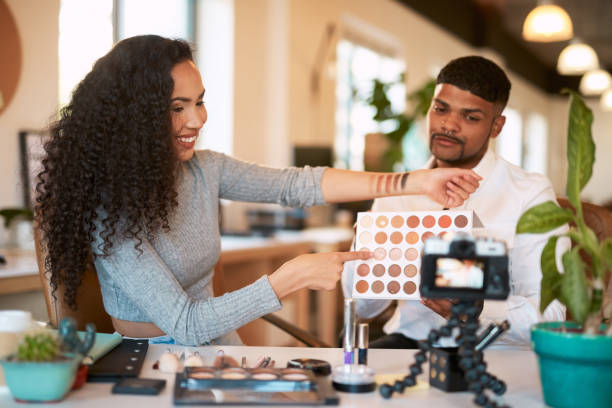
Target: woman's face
<point>186,108</point>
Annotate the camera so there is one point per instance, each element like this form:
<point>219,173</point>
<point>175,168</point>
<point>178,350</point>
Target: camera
<point>464,268</point>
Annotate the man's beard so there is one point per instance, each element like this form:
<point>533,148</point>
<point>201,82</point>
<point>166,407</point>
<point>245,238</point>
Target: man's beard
<point>461,159</point>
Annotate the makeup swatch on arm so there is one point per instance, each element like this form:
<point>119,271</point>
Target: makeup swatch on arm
<point>397,240</point>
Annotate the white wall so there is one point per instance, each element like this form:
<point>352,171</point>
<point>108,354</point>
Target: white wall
<point>35,100</point>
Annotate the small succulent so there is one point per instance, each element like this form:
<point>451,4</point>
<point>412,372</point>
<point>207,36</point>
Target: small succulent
<point>38,347</point>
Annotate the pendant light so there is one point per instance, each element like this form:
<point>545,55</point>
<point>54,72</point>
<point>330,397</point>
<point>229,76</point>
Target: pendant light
<point>576,59</point>
<point>547,23</point>
<point>606,100</point>
<point>595,82</point>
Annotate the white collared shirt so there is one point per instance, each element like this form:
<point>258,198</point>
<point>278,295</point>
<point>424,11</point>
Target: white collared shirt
<point>505,192</point>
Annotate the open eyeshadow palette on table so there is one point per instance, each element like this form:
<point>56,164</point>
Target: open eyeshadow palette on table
<point>252,386</point>
<point>397,240</point>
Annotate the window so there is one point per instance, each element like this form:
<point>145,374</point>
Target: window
<point>536,146</point>
<point>85,34</point>
<point>357,67</point>
<point>509,143</point>
<point>88,29</point>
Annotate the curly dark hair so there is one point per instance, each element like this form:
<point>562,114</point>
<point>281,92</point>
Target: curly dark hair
<point>110,166</point>
<point>478,75</point>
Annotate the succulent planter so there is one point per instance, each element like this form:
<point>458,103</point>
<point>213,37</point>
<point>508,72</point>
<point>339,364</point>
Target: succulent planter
<point>575,368</point>
<point>33,381</point>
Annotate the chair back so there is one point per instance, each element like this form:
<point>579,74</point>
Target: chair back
<point>90,308</point>
<point>598,218</point>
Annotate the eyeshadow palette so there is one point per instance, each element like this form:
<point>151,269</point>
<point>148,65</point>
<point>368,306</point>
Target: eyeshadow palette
<point>252,386</point>
<point>396,239</point>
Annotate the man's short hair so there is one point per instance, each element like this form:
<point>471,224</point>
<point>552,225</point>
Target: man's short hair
<point>478,75</point>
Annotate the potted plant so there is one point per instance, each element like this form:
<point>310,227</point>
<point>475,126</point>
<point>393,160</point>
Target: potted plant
<point>575,357</point>
<point>45,366</point>
<point>390,142</point>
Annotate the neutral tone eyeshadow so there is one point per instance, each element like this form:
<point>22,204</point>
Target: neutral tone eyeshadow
<point>444,221</point>
<point>393,287</point>
<point>429,221</point>
<point>201,375</point>
<point>409,288</point>
<point>413,221</point>
<point>395,270</point>
<point>410,271</point>
<point>412,237</point>
<point>380,253</point>
<point>295,377</point>
<point>395,254</point>
<point>411,254</point>
<point>378,286</point>
<point>380,237</point>
<point>366,221</point>
<point>378,270</point>
<point>397,221</point>
<point>264,376</point>
<point>427,235</point>
<point>233,375</point>
<point>362,286</point>
<point>363,270</point>
<point>382,221</point>
<point>396,237</point>
<point>365,237</point>
<point>461,221</point>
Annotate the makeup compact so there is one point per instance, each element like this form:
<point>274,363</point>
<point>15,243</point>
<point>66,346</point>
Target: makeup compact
<point>252,386</point>
<point>397,239</point>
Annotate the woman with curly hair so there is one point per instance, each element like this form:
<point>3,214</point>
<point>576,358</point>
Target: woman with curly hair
<point>121,182</point>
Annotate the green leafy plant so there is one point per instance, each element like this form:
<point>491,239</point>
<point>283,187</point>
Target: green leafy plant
<point>403,121</point>
<point>579,288</point>
<point>38,347</point>
<point>9,214</point>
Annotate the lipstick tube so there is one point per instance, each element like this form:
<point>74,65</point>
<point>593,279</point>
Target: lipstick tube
<point>362,344</point>
<point>349,330</point>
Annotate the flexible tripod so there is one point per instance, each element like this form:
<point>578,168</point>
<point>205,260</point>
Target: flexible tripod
<point>471,361</point>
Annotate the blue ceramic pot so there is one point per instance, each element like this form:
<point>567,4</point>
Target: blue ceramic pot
<point>40,381</point>
<point>575,369</point>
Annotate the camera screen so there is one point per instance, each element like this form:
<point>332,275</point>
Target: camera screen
<point>459,273</point>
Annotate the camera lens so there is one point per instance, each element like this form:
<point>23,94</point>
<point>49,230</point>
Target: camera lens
<point>464,248</point>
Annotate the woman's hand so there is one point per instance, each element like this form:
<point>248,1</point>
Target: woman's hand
<point>447,186</point>
<point>313,271</point>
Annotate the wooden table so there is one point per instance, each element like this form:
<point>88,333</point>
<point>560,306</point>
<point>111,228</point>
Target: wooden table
<point>20,273</point>
<point>517,368</point>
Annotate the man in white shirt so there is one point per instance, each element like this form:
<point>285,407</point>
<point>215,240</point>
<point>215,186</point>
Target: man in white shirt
<point>466,112</point>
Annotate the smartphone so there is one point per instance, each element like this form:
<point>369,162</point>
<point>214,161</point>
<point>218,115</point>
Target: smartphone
<point>139,386</point>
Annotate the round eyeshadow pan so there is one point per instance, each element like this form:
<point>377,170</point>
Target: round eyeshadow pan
<point>365,237</point>
<point>429,221</point>
<point>444,221</point>
<point>395,270</point>
<point>409,287</point>
<point>461,221</point>
<point>413,221</point>
<point>410,271</point>
<point>382,221</point>
<point>427,235</point>
<point>366,221</point>
<point>395,254</point>
<point>378,286</point>
<point>264,376</point>
<point>378,270</point>
<point>396,237</point>
<point>393,287</point>
<point>380,253</point>
<point>201,375</point>
<point>233,374</point>
<point>380,238</point>
<point>397,221</point>
<point>363,270</point>
<point>362,286</point>
<point>295,377</point>
<point>411,254</point>
<point>412,238</point>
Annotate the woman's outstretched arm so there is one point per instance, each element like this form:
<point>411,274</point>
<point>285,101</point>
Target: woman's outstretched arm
<point>447,186</point>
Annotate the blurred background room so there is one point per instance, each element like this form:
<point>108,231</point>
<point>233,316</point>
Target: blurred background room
<point>342,83</point>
